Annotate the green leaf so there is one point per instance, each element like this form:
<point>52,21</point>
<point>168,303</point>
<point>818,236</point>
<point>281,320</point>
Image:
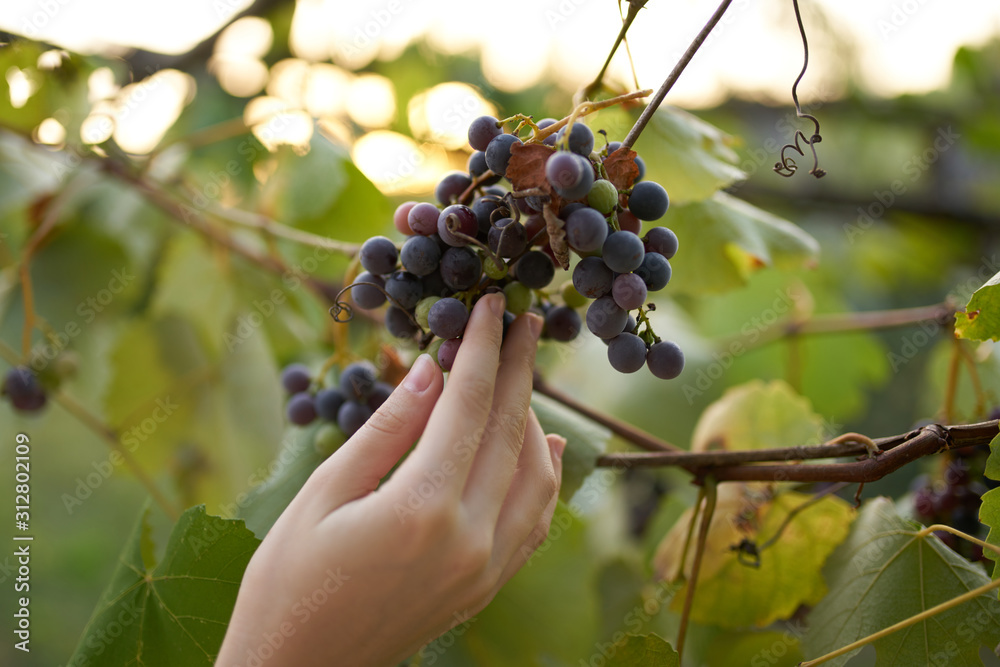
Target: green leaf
<point>989,510</point>
<point>585,441</point>
<point>887,571</point>
<point>323,192</point>
<point>264,503</point>
<point>723,240</point>
<point>732,594</point>
<point>758,415</point>
<point>993,461</point>
<point>191,284</point>
<point>756,649</point>
<point>981,319</point>
<point>174,612</point>
<point>692,159</point>
<point>648,650</point>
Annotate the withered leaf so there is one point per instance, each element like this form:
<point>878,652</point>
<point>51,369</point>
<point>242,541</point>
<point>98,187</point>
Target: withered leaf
<point>622,169</point>
<point>554,225</point>
<point>526,168</point>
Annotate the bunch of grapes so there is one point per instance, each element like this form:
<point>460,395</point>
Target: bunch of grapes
<point>955,498</point>
<point>24,391</point>
<point>348,405</point>
<point>566,195</point>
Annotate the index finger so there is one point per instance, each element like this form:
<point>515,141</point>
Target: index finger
<point>455,428</point>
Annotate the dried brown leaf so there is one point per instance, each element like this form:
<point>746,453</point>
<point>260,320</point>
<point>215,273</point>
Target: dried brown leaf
<point>622,169</point>
<point>554,225</point>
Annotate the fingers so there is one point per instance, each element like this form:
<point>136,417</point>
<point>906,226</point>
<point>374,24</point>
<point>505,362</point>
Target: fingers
<point>456,426</point>
<point>538,535</point>
<point>527,509</point>
<point>355,469</point>
<point>498,458</point>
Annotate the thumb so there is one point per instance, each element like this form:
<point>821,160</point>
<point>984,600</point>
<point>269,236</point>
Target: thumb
<point>356,468</point>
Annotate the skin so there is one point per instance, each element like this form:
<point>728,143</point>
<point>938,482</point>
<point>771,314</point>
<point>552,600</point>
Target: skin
<point>358,573</point>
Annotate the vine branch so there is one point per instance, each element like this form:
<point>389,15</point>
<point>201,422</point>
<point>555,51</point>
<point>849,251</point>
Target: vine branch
<point>892,453</point>
<point>675,74</point>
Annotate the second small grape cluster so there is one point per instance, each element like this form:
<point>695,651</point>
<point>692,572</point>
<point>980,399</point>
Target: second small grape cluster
<point>348,405</point>
<point>483,238</point>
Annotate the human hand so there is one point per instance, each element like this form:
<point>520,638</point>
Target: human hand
<point>351,575</point>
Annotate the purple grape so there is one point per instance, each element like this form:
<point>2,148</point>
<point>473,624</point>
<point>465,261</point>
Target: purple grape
<point>562,323</point>
<point>328,402</point>
<point>399,324</point>
<point>661,240</point>
<point>482,131</point>
<point>423,219</point>
<point>448,352</point>
<point>623,252</point>
<point>665,360</point>
<point>420,255</point>
<point>301,409</point>
<point>366,296</point>
<point>357,381</point>
<point>451,187</point>
<point>592,277</point>
<point>498,153</point>
<point>629,291</point>
<point>463,219</point>
<point>352,416</point>
<point>508,238</point>
<point>569,174</point>
<point>605,318</point>
<point>534,270</point>
<point>477,164</point>
<point>380,394</point>
<point>648,201</point>
<point>581,139</point>
<point>295,378</point>
<point>461,268</point>
<point>25,392</point>
<point>655,271</point>
<point>447,318</point>
<point>626,353</point>
<point>586,230</point>
<point>378,255</point>
<point>405,289</point>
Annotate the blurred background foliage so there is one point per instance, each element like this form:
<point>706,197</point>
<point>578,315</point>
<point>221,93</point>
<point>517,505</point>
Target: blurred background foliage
<point>162,200</point>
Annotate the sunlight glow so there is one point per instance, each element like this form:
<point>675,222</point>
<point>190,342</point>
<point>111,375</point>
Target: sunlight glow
<point>372,101</point>
<point>144,111</point>
<point>20,87</point>
<point>396,164</point>
<point>50,132</point>
<point>442,114</point>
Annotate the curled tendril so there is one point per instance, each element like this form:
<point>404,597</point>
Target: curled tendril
<point>747,552</point>
<point>342,309</point>
<point>786,167</point>
<point>453,229</point>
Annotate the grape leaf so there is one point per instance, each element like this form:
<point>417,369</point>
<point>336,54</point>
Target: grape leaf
<point>192,284</point>
<point>264,503</point>
<point>622,169</point>
<point>692,159</point>
<point>989,510</point>
<point>648,650</point>
<point>981,319</point>
<point>526,168</point>
<point>723,240</point>
<point>885,572</point>
<point>732,594</point>
<point>756,415</point>
<point>174,612</point>
<point>585,441</point>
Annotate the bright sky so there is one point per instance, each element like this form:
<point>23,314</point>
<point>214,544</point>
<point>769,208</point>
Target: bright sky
<point>905,45</point>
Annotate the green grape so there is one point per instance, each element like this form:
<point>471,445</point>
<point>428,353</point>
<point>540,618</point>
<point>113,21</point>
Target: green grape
<point>603,196</point>
<point>327,439</point>
<point>493,271</point>
<point>571,297</point>
<point>518,298</point>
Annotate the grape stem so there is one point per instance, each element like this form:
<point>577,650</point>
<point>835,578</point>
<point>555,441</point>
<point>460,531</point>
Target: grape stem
<point>620,428</point>
<point>711,496</point>
<point>675,74</point>
<point>633,10</point>
<point>771,465</point>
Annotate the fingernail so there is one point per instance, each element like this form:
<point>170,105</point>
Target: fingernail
<point>496,304</point>
<point>535,325</point>
<point>420,375</point>
<point>559,447</point>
